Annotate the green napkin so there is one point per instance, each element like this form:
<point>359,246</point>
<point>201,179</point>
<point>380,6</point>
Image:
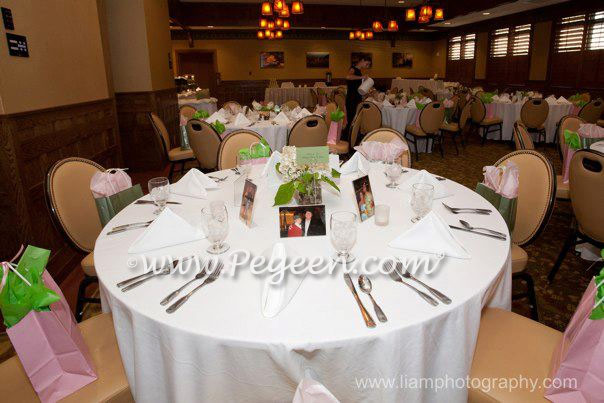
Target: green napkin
<point>572,139</point>
<point>17,299</point>
<point>598,311</point>
<point>336,115</point>
<point>218,126</point>
<point>201,114</point>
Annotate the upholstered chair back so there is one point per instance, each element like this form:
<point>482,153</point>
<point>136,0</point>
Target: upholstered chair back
<point>478,111</point>
<point>431,117</point>
<point>161,132</point>
<point>386,135</point>
<point>587,192</point>
<point>592,111</point>
<point>232,143</point>
<point>522,138</point>
<point>310,131</point>
<point>534,113</point>
<point>205,142</point>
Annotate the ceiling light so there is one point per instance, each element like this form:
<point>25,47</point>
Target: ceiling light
<point>439,14</point>
<point>266,8</point>
<point>271,25</point>
<point>369,35</point>
<point>377,26</point>
<point>279,35</point>
<point>358,34</point>
<point>279,22</point>
<point>392,26</point>
<point>425,11</point>
<point>260,34</point>
<point>410,14</point>
<point>285,12</point>
<point>263,23</point>
<point>267,33</point>
<point>286,25</point>
<point>210,26</point>
<point>486,13</point>
<point>278,5</point>
<point>297,7</point>
<point>351,35</point>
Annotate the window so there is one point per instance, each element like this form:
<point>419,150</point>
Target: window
<point>522,40</point>
<point>595,39</point>
<point>499,42</point>
<point>569,35</point>
<point>514,41</point>
<point>462,47</point>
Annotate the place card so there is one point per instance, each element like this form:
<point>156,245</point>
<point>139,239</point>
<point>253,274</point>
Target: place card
<point>364,197</point>
<point>247,202</point>
<point>312,155</point>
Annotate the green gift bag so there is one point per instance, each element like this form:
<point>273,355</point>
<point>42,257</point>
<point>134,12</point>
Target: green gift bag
<point>505,206</point>
<point>109,206</point>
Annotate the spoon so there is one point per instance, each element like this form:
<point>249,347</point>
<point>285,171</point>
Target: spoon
<point>468,226</point>
<point>365,286</point>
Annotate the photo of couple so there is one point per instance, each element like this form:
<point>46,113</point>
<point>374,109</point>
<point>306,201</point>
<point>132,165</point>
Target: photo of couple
<point>364,197</point>
<point>302,221</point>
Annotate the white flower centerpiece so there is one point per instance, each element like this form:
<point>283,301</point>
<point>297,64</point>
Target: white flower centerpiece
<point>302,182</point>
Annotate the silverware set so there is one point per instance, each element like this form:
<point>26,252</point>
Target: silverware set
<point>217,179</point>
<point>152,202</point>
<point>127,227</point>
<point>479,230</point>
<point>135,281</point>
<point>210,279</point>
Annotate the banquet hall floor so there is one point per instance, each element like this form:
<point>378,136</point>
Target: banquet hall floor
<point>556,302</point>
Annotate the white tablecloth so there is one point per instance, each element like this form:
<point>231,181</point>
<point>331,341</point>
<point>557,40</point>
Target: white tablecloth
<point>510,113</point>
<point>274,134</point>
<point>398,118</point>
<point>210,107</point>
<point>598,146</point>
<point>220,348</point>
<point>405,83</point>
<point>300,94</point>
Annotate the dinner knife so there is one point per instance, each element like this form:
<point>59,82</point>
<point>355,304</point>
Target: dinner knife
<point>366,316</point>
<point>152,202</point>
<point>503,238</point>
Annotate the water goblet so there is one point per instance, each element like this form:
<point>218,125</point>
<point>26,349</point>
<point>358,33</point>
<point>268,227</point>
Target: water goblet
<point>215,224</point>
<point>159,190</point>
<point>422,195</point>
<point>343,235</point>
<point>393,171</point>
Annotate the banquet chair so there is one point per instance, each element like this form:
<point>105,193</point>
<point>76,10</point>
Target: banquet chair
<point>430,120</point>
<point>508,345</point>
<point>522,138</point>
<point>572,123</point>
<point>232,106</point>
<point>386,135</point>
<point>592,111</point>
<point>586,198</point>
<point>310,131</point>
<point>110,386</point>
<point>340,100</point>
<point>287,84</point>
<point>329,108</point>
<point>291,104</point>
<point>426,92</point>
<point>535,204</point>
<point>534,114</point>
<point>205,142</point>
<point>187,111</point>
<point>393,90</point>
<point>457,129</point>
<point>343,146</point>
<point>74,214</point>
<point>478,113</point>
<point>232,143</point>
<point>314,97</point>
<point>174,155</point>
<point>370,117</point>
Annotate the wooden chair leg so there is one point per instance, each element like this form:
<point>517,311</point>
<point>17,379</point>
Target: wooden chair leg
<point>485,131</point>
<point>82,298</point>
<point>171,174</point>
<point>530,293</point>
<point>455,142</point>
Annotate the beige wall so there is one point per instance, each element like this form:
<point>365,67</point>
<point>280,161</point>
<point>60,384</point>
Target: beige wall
<point>159,43</point>
<point>65,64</point>
<point>540,45</point>
<point>240,59</point>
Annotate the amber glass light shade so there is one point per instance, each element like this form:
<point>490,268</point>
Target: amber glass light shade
<point>377,26</point>
<point>263,23</point>
<point>278,5</point>
<point>425,11</point>
<point>285,12</point>
<point>410,14</point>
<point>267,9</point>
<point>279,22</point>
<point>423,19</point>
<point>271,25</point>
<point>286,25</point>
<point>369,35</point>
<point>297,7</point>
<point>392,26</point>
<point>260,34</point>
<point>267,33</point>
<point>351,35</point>
<point>279,35</point>
<point>357,34</point>
<point>439,14</point>
<point>272,35</point>
<point>362,37</point>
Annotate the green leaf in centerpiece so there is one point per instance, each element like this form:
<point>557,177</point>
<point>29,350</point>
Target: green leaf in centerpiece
<point>334,173</point>
<point>332,183</point>
<point>336,115</point>
<point>572,139</point>
<point>219,126</point>
<point>201,114</point>
<point>312,155</point>
<point>284,193</point>
<point>598,311</point>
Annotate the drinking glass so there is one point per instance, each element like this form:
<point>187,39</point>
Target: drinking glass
<point>215,224</point>
<point>393,172</point>
<point>422,195</point>
<point>382,214</point>
<point>244,164</point>
<point>343,234</point>
<point>159,190</point>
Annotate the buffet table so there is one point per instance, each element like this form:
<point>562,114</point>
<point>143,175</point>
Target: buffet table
<point>220,348</point>
<point>300,94</point>
<point>404,84</point>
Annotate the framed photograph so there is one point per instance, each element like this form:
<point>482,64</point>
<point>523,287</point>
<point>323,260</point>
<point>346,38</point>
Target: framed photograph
<point>364,197</point>
<point>356,56</point>
<point>319,60</point>
<point>301,221</point>
<point>247,202</point>
<point>272,60</point>
<point>400,60</point>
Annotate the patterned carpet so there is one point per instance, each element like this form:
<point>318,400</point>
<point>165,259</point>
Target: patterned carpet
<point>556,302</point>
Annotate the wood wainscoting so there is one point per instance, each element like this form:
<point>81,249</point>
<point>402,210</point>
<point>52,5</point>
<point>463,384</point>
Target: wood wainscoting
<point>30,142</point>
<point>141,147</point>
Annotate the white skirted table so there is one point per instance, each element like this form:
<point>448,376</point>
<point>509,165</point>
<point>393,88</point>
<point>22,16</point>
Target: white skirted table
<point>398,118</point>
<point>220,348</point>
<point>274,134</point>
<point>300,94</point>
<point>404,84</point>
<point>198,104</point>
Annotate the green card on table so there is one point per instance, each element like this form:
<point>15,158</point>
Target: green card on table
<point>312,155</point>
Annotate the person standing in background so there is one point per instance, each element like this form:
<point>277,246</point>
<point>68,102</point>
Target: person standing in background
<point>353,81</point>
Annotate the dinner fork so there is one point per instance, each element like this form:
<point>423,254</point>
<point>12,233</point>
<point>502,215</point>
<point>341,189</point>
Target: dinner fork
<point>174,293</point>
<point>393,273</point>
<point>164,271</point>
<point>459,210</point>
<point>442,297</point>
<point>210,279</point>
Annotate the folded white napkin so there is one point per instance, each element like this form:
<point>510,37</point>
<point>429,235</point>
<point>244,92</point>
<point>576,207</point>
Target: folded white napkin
<point>272,161</point>
<point>357,163</point>
<point>551,99</point>
<point>276,296</point>
<point>281,119</point>
<point>256,105</point>
<point>431,235</point>
<point>495,98</point>
<point>214,100</point>
<point>241,120</point>
<point>310,390</point>
<point>425,101</point>
<point>386,103</point>
<point>334,161</point>
<point>168,229</point>
<point>193,184</point>
<point>296,110</point>
<point>303,113</point>
<point>218,115</point>
<point>423,176</point>
<point>411,104</point>
<point>563,100</point>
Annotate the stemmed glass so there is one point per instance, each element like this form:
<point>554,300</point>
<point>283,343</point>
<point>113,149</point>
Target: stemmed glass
<point>159,190</point>
<point>244,165</point>
<point>422,195</point>
<point>393,172</point>
<point>215,224</point>
<point>343,234</point>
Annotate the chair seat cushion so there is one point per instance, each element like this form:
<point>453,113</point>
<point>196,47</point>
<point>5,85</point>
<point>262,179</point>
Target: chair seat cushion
<point>562,189</point>
<point>415,130</point>
<point>509,346</point>
<point>88,265</point>
<point>519,258</point>
<point>176,154</point>
<point>341,147</point>
<point>450,127</point>
<point>491,121</point>
<point>600,122</point>
<point>111,385</point>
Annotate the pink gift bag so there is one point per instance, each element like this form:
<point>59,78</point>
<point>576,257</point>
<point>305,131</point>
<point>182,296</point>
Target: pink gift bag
<point>335,131</point>
<point>110,182</point>
<point>490,111</point>
<point>52,349</point>
<point>579,358</point>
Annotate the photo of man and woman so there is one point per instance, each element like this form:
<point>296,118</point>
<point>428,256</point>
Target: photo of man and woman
<point>247,202</point>
<point>302,221</point>
<point>364,197</point>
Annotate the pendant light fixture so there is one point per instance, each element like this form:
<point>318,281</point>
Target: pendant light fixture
<point>266,8</point>
<point>377,26</point>
<point>271,25</point>
<point>369,35</point>
<point>351,36</point>
<point>392,26</point>
<point>425,11</point>
<point>410,14</point>
<point>260,34</point>
<point>439,14</point>
<point>278,35</point>
<point>286,25</point>
<point>263,23</point>
<point>278,5</point>
<point>284,13</point>
<point>298,7</point>
<point>279,22</point>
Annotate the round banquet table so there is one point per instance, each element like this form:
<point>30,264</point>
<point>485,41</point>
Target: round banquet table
<point>220,348</point>
<point>209,107</point>
<point>398,118</point>
<point>406,84</point>
<point>274,134</point>
<point>300,94</point>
